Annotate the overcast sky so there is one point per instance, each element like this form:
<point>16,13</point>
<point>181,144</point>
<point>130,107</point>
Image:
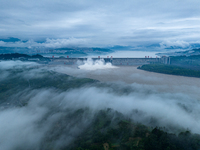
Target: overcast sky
<point>102,22</point>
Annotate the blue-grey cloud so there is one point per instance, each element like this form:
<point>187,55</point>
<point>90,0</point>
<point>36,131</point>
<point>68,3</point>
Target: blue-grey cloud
<point>102,23</point>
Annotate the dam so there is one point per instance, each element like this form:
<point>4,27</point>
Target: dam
<point>113,61</point>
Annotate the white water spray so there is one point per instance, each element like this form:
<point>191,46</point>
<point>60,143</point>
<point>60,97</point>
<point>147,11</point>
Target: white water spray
<point>95,65</point>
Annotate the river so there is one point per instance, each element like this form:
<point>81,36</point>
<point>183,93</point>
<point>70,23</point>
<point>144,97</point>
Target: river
<point>132,75</point>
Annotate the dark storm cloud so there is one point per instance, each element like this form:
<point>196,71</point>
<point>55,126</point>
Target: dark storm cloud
<point>101,23</point>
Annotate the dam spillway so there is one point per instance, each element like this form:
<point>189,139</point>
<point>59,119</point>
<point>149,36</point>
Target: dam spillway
<point>113,61</point>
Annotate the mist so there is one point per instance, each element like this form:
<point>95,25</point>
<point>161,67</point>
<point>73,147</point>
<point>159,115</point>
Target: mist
<point>89,64</point>
<point>49,115</point>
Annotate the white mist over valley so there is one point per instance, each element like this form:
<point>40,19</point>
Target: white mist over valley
<point>149,98</point>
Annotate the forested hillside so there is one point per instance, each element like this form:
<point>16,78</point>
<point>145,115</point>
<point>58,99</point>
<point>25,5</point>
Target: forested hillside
<point>64,124</point>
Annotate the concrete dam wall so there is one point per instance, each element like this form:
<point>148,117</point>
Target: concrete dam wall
<point>113,61</point>
<point>133,61</point>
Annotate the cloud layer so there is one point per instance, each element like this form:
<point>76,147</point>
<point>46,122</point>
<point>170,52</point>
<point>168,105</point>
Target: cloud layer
<point>101,23</point>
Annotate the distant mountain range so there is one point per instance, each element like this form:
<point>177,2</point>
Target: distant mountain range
<point>66,50</point>
<point>181,53</point>
<point>16,45</point>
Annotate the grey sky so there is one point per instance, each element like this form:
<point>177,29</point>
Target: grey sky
<point>102,23</point>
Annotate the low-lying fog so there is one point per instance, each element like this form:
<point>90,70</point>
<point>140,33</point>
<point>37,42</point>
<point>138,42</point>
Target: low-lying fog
<point>173,101</point>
